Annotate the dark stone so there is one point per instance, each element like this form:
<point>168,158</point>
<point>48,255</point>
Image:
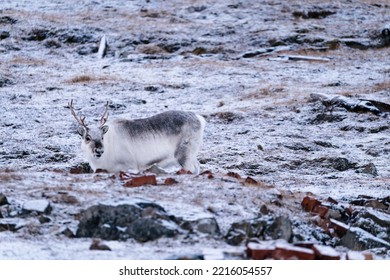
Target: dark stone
<point>324,118</point>
<point>141,221</point>
<point>341,164</point>
<point>68,233</point>
<point>76,36</point>
<point>148,229</point>
<point>87,49</point>
<point>82,168</point>
<point>4,35</point>
<point>52,44</point>
<point>359,240</point>
<point>299,147</point>
<point>281,228</point>
<point>11,224</point>
<point>313,14</point>
<point>3,199</point>
<point>196,9</point>
<point>97,245</point>
<point>44,219</point>
<point>324,144</point>
<point>204,225</point>
<point>369,169</point>
<point>38,34</point>
<point>5,81</point>
<point>7,20</point>
<point>246,229</point>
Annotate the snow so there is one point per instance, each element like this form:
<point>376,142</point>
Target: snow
<point>270,98</point>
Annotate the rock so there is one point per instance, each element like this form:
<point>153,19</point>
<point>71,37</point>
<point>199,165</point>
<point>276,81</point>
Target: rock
<point>260,251</point>
<point>341,164</point>
<point>278,250</point>
<point>340,229</point>
<point>7,20</point>
<point>81,168</point>
<point>289,252</point>
<point>141,180</point>
<point>5,81</point>
<point>148,229</point>
<point>313,14</point>
<point>308,203</point>
<point>98,245</point>
<point>44,219</point>
<point>359,240</point>
<point>68,233</point>
<point>244,230</point>
<point>250,181</point>
<point>87,49</point>
<point>11,224</point>
<point>38,34</point>
<point>39,206</point>
<point>374,222</point>
<point>207,226</point>
<point>281,228</point>
<point>380,218</point>
<point>227,117</point>
<point>170,181</point>
<point>4,35</point>
<point>325,252</point>
<point>142,221</point>
<point>369,169</point>
<point>3,200</point>
<point>234,175</point>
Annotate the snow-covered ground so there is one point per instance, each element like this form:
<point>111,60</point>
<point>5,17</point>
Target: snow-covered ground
<point>227,60</point>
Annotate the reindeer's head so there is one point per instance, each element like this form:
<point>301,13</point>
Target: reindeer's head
<point>92,143</point>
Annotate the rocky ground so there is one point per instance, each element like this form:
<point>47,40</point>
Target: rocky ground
<point>295,155</point>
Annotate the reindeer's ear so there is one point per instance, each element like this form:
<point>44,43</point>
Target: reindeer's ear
<point>104,129</point>
<point>81,131</point>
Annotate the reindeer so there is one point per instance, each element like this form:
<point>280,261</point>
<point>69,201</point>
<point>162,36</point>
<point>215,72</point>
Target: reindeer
<point>165,139</point>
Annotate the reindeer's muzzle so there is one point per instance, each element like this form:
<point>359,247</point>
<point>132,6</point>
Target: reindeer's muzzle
<point>97,152</point>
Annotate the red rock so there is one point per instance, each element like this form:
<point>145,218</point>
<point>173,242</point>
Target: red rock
<point>321,210</point>
<point>258,251</point>
<point>304,244</point>
<point>308,203</point>
<point>288,252</point>
<point>97,245</point>
<point>183,172</point>
<point>250,181</point>
<point>325,253</point>
<point>142,180</point>
<point>339,227</point>
<point>101,171</point>
<point>124,176</point>
<point>368,256</point>
<point>234,175</point>
<point>332,200</point>
<point>170,181</point>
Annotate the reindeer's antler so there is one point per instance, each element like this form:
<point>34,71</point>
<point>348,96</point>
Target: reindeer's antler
<point>105,116</point>
<point>80,120</point>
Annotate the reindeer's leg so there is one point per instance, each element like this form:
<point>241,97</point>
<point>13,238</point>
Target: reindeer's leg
<point>186,154</point>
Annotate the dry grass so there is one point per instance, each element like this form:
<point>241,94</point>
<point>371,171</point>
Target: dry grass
<point>264,92</point>
<point>86,79</point>
<point>384,86</point>
<point>21,60</point>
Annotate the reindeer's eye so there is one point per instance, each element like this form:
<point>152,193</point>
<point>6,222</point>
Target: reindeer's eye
<point>88,138</point>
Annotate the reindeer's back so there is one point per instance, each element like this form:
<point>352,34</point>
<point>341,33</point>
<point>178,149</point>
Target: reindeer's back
<point>169,123</point>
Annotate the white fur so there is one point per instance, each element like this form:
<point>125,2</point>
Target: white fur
<point>123,152</point>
